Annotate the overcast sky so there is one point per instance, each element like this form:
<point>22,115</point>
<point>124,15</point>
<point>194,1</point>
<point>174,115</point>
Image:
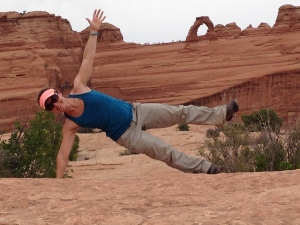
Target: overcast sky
<point>156,21</point>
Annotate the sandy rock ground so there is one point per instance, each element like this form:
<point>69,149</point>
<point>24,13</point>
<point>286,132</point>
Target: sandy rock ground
<point>136,190</point>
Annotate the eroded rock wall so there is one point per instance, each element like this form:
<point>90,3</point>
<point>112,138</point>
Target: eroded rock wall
<point>33,57</point>
<point>279,92</point>
<point>38,50</point>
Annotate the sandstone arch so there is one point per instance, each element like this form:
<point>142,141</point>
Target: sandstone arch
<point>192,35</point>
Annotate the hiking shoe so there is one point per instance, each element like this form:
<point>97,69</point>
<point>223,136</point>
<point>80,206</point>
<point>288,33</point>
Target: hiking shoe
<point>231,109</point>
<point>214,169</point>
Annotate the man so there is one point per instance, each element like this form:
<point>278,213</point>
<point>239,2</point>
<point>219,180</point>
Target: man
<point>126,123</point>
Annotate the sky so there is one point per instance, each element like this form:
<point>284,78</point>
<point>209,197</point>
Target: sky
<point>156,21</point>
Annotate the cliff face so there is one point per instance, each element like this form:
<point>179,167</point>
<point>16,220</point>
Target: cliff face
<point>39,45</point>
<point>39,49</point>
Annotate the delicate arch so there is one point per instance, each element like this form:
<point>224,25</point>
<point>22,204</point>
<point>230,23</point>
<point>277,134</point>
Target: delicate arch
<point>192,35</point>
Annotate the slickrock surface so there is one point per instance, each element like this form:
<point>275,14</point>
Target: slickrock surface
<point>161,198</point>
<point>135,190</point>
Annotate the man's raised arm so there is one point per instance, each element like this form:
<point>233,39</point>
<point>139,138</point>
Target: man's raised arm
<point>86,67</point>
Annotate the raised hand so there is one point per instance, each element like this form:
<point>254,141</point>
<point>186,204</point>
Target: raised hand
<point>97,20</point>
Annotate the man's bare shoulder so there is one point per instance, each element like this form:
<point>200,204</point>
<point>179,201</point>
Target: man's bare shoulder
<point>69,125</point>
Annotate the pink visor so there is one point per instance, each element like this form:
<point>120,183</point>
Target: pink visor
<point>44,97</point>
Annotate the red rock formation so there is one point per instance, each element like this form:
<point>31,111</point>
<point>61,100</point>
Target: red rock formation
<point>212,34</point>
<point>193,36</point>
<point>262,29</point>
<point>272,91</point>
<point>229,30</point>
<point>288,19</point>
<point>108,33</point>
<point>211,75</point>
<point>38,49</point>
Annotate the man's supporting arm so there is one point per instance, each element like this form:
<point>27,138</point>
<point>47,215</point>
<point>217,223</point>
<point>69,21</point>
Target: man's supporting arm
<point>69,132</point>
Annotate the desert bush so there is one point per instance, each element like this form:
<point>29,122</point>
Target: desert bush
<point>183,127</point>
<point>266,150</point>
<point>31,150</point>
<point>3,168</point>
<point>212,133</point>
<point>230,150</point>
<point>269,150</point>
<point>262,119</point>
<point>292,141</point>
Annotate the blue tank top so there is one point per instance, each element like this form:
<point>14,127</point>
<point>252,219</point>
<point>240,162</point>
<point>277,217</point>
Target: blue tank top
<point>111,115</point>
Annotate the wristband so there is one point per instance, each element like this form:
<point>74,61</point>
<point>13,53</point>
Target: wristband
<point>94,33</point>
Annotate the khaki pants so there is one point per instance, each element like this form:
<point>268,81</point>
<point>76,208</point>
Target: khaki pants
<point>152,115</point>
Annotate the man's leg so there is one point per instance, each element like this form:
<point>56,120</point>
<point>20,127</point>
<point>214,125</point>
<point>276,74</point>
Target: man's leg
<point>146,116</point>
<point>158,149</point>
<point>153,115</point>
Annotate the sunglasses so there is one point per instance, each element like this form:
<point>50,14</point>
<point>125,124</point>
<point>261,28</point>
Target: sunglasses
<point>54,98</point>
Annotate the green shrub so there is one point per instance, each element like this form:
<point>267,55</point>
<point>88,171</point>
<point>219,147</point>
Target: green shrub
<point>74,152</point>
<point>244,151</point>
<point>269,150</point>
<point>269,159</point>
<point>264,118</point>
<point>183,127</point>
<point>293,145</point>
<point>230,150</point>
<point>4,172</point>
<point>31,150</point>
<point>285,166</point>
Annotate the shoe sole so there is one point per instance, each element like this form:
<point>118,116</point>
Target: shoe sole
<point>235,105</point>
